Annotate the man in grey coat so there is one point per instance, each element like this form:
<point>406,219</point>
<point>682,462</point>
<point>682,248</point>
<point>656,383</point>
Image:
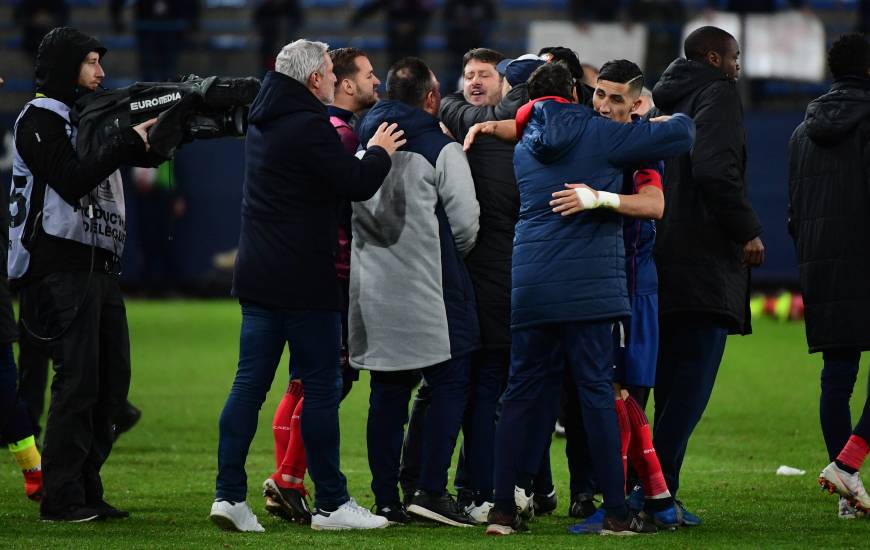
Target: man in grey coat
<point>412,308</point>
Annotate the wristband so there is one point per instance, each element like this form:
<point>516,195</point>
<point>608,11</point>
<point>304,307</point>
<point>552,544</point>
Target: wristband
<point>608,200</point>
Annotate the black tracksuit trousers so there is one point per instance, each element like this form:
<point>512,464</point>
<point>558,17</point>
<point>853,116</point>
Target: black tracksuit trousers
<point>91,380</point>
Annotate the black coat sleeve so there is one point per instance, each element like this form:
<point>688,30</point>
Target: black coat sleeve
<point>357,179</point>
<point>718,162</point>
<point>42,141</point>
<point>459,115</point>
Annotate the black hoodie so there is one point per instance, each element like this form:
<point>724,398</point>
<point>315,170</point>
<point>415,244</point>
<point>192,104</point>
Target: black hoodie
<point>42,141</point>
<point>707,217</point>
<point>829,215</point>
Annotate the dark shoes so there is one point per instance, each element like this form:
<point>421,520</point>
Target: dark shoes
<point>544,504</point>
<point>395,514</point>
<point>108,511</point>
<point>73,514</point>
<point>502,522</point>
<point>582,506</point>
<point>440,508</point>
<point>289,504</point>
<point>126,419</point>
<point>631,525</point>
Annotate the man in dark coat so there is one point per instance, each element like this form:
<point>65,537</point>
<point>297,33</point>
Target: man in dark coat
<point>829,207</point>
<point>296,171</point>
<point>707,241</point>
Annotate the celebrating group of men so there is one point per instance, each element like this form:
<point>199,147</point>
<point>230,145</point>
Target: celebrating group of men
<point>526,249</point>
<point>500,245</point>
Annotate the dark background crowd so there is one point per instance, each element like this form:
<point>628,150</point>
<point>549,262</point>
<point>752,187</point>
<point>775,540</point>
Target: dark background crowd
<point>183,217</point>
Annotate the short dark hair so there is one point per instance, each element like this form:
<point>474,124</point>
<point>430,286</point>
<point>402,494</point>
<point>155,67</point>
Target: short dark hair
<point>623,71</point>
<point>409,81</point>
<point>705,40</point>
<point>551,79</point>
<point>849,56</point>
<point>484,55</point>
<point>344,62</point>
<point>567,56</point>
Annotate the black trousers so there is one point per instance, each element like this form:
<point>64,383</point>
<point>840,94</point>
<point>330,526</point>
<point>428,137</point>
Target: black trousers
<point>690,350</point>
<point>33,359</point>
<point>91,380</point>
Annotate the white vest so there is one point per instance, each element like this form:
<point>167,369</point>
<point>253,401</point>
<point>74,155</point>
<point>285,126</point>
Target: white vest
<point>99,218</point>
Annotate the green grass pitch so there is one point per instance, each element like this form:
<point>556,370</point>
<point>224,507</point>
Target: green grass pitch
<point>764,413</point>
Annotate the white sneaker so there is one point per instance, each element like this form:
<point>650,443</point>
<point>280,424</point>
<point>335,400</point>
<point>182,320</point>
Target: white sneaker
<point>846,485</point>
<point>524,502</point>
<point>478,514</point>
<point>234,517</point>
<point>349,515</point>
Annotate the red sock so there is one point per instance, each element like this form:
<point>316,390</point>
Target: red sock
<point>294,463</point>
<point>854,453</point>
<point>643,454</point>
<point>281,422</point>
<point>624,434</point>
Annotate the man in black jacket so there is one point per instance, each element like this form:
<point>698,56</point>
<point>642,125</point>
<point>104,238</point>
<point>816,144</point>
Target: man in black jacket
<point>829,207</point>
<point>67,235</point>
<point>706,243</point>
<point>296,171</point>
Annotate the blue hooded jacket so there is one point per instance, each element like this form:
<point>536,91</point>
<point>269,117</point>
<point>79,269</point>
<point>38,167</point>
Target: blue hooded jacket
<point>572,268</point>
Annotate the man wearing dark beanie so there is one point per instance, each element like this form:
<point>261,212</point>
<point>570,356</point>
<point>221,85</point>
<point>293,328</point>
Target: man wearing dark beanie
<point>67,233</point>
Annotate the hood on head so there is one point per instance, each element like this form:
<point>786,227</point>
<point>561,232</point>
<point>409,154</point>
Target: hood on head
<point>58,63</point>
<point>554,128</point>
<point>413,120</point>
<point>682,78</point>
<point>832,117</point>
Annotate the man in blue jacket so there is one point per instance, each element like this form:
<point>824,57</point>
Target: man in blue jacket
<point>296,171</point>
<point>568,283</point>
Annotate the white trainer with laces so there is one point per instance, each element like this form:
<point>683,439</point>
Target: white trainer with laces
<point>525,503</point>
<point>234,517</point>
<point>478,514</point>
<point>846,485</point>
<point>349,515</point>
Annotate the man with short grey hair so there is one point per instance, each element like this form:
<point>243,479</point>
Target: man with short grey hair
<point>296,171</point>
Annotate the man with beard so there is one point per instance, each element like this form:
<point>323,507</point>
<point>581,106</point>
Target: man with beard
<point>707,241</point>
<point>829,207</point>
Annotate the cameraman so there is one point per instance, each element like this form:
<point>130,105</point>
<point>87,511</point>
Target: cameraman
<point>66,237</point>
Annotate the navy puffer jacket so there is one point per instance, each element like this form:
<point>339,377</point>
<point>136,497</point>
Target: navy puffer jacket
<point>572,268</point>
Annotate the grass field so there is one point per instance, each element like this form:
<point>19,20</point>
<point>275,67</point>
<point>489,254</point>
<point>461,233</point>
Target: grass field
<point>764,413</point>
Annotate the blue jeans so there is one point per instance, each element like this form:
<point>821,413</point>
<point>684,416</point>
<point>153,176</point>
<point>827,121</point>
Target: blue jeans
<point>531,401</point>
<point>314,338</point>
<point>690,351</point>
<point>388,412</point>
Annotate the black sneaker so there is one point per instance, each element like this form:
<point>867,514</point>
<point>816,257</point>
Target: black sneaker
<point>395,514</point>
<point>582,506</point>
<point>464,497</point>
<point>441,508</point>
<point>127,418</point>
<point>504,523</point>
<point>73,514</point>
<point>544,504</point>
<point>407,493</point>
<point>631,525</point>
<point>289,504</point>
<point>108,511</point>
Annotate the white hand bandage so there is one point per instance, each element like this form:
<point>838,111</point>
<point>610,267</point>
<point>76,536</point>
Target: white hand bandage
<point>589,201</point>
